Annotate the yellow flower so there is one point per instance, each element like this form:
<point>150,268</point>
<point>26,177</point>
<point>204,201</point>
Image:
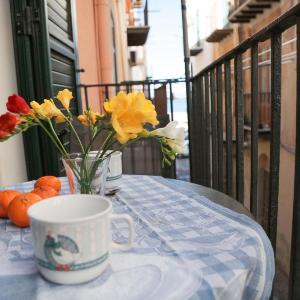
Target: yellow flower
<point>47,110</point>
<point>129,113</point>
<point>36,107</point>
<point>89,118</point>
<point>60,119</point>
<point>64,97</point>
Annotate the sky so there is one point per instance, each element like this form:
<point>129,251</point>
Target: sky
<point>164,48</point>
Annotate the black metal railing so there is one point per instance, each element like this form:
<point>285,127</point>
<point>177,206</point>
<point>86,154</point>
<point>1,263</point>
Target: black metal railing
<point>144,157</point>
<point>217,118</point>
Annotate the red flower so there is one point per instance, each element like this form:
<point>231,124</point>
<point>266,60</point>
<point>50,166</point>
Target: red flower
<point>3,134</point>
<point>8,123</point>
<point>17,104</point>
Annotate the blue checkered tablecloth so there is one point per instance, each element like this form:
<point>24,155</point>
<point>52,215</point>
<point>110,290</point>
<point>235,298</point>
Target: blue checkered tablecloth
<point>186,247</point>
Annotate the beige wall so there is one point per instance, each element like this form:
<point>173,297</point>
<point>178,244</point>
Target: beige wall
<point>119,13</point>
<point>95,45</point>
<point>203,59</point>
<point>87,49</point>
<point>12,159</point>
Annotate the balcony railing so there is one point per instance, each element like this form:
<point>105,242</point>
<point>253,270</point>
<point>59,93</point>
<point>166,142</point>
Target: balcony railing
<point>144,157</point>
<point>217,133</point>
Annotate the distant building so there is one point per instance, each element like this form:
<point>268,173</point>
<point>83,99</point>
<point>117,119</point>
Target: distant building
<point>111,38</point>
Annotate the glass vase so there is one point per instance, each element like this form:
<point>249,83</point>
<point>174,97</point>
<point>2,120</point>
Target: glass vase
<point>86,175</point>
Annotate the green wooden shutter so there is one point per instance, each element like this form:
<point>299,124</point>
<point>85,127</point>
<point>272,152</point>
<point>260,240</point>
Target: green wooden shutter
<point>63,48</point>
<point>46,61</point>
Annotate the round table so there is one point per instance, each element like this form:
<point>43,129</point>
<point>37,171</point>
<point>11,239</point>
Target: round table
<point>215,196</point>
<point>191,243</point>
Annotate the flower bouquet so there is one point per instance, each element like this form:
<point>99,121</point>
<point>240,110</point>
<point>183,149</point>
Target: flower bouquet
<point>123,122</point>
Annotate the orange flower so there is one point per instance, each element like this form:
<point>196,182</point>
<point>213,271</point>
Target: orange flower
<point>89,118</point>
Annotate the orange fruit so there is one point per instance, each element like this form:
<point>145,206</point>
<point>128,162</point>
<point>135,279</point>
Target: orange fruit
<point>17,209</point>
<point>5,198</point>
<point>45,191</point>
<point>52,181</point>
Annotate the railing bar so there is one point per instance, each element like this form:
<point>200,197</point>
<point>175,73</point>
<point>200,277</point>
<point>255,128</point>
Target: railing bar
<point>86,97</point>
<point>207,131</point>
<point>275,136</point>
<point>149,91</point>
<point>229,153</point>
<point>202,131</point>
<point>254,129</point>
<point>294,276</point>
<point>220,128</point>
<point>106,92</point>
<point>238,72</point>
<point>196,125</point>
<point>192,133</point>
<point>135,82</point>
<point>171,101</point>
<point>214,130</point>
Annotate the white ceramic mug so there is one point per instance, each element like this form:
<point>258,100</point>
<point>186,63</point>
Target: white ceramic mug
<point>114,173</point>
<point>72,236</point>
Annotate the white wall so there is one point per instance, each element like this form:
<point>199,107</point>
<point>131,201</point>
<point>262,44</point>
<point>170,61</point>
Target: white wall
<point>12,159</point>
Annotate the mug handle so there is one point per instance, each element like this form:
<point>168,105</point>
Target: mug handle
<point>128,219</point>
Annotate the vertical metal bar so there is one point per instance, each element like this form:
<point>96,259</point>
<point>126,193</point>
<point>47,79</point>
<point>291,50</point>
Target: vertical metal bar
<point>149,91</point>
<point>275,135</point>
<point>294,290</point>
<point>186,49</point>
<point>220,128</point>
<point>207,131</point>
<point>194,157</point>
<point>254,128</point>
<point>197,156</point>
<point>86,97</point>
<point>238,72</point>
<point>146,14</point>
<point>201,137</point>
<point>171,101</point>
<point>214,130</point>
<point>192,132</point>
<point>229,154</point>
<point>106,92</point>
<point>127,88</point>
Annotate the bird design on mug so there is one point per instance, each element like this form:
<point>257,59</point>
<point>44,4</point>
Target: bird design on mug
<point>61,251</point>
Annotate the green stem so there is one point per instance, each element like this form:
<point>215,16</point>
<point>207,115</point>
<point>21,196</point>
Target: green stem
<point>123,146</point>
<point>56,137</point>
<point>88,148</point>
<point>76,134</point>
<point>103,149</point>
<point>59,146</point>
<point>101,152</point>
